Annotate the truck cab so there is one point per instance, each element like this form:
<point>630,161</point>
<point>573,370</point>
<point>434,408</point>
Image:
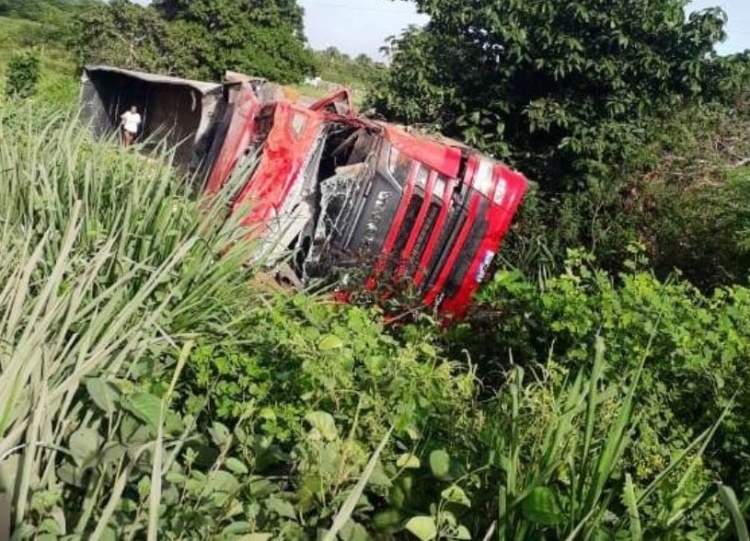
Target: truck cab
<point>416,214</point>
<point>331,196</point>
<point>367,203</point>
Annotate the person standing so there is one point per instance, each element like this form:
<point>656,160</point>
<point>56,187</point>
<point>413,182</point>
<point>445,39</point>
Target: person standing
<point>131,123</point>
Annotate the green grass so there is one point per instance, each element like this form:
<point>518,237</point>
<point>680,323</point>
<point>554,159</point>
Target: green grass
<point>107,263</point>
<point>58,85</point>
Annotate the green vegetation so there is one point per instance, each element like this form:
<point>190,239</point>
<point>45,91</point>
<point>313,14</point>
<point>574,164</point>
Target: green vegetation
<point>600,108</point>
<point>339,67</point>
<point>58,82</point>
<point>197,39</point>
<point>23,75</point>
<point>153,385</point>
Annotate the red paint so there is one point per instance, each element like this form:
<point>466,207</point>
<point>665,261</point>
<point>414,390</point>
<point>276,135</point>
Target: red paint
<point>343,97</point>
<point>397,219</point>
<point>418,224</point>
<point>499,220</point>
<point>284,153</point>
<point>450,261</point>
<point>238,138</point>
<point>435,234</point>
<point>444,159</point>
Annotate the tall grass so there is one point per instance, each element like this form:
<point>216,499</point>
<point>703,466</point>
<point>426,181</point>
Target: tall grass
<point>108,267</point>
<point>564,464</point>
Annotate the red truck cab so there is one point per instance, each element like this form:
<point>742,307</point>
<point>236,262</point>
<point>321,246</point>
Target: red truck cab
<point>369,202</point>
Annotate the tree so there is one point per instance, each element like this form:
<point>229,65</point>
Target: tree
<point>121,34</point>
<point>562,89</point>
<point>259,37</point>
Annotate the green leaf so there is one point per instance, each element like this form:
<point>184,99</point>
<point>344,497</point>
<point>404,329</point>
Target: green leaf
<point>237,528</point>
<point>428,350</point>
<point>112,452</point>
<point>424,528</point>
<point>386,520</point>
<point>281,507</point>
<point>636,533</point>
<point>220,434</point>
<point>145,407</point>
<point>729,500</point>
<point>540,507</point>
<point>462,533</point>
<point>324,423</point>
<point>330,342</point>
<point>256,537</point>
<point>222,481</point>
<point>102,394</point>
<point>353,531</point>
<point>408,461</point>
<point>379,478</point>
<point>70,475</point>
<point>50,525</point>
<point>175,477</point>
<point>25,531</point>
<point>84,445</point>
<point>440,463</point>
<point>455,494</point>
<point>236,466</point>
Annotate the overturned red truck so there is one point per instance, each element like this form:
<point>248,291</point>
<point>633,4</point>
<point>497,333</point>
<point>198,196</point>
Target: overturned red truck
<point>371,203</point>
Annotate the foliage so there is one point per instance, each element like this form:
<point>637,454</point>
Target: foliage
<point>199,40</point>
<point>57,85</point>
<point>107,266</point>
<point>685,207</point>
<point>122,34</point>
<point>22,75</point>
<point>38,10</point>
<point>558,455</point>
<point>562,90</point>
<point>339,67</point>
<point>153,386</point>
<point>699,345</point>
<point>263,39</point>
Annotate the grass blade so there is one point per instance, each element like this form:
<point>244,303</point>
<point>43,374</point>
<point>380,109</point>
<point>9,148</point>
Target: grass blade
<point>729,499</point>
<point>350,504</point>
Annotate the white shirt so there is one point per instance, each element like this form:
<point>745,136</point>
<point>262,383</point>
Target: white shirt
<point>131,121</point>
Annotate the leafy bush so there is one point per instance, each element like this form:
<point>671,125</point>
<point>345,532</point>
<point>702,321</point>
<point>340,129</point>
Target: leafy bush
<point>698,345</point>
<point>152,386</point>
<point>22,75</point>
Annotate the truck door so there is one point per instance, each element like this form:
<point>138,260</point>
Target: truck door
<point>276,199</point>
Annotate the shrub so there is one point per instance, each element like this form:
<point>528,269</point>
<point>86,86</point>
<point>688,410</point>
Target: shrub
<point>151,387</point>
<point>23,74</point>
<point>698,343</point>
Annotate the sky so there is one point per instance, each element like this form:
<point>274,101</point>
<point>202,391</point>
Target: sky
<point>361,26</point>
<point>357,26</point>
<point>738,27</point>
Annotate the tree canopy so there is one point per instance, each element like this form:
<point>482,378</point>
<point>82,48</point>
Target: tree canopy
<point>122,34</point>
<point>198,39</point>
<point>557,87</point>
